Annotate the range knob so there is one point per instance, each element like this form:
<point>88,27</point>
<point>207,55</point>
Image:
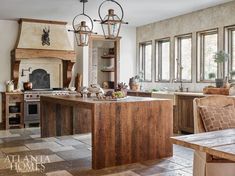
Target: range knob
<point>37,96</point>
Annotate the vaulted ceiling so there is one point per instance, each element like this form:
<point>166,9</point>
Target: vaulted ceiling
<point>137,12</point>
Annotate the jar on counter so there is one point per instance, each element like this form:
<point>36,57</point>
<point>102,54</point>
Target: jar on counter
<point>9,87</point>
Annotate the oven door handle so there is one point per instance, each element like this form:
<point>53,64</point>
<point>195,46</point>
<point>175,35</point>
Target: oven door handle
<point>32,101</point>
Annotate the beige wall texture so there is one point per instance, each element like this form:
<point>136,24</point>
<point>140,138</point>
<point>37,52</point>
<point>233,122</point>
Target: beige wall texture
<point>8,35</point>
<point>30,36</point>
<point>214,17</point>
<point>51,66</point>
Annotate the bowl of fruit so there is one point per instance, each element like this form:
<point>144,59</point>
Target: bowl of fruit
<point>112,96</point>
<point>118,95</point>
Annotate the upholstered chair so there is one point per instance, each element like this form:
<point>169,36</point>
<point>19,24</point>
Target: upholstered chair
<point>205,164</point>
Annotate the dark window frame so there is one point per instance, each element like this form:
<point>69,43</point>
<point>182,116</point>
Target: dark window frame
<point>178,40</point>
<point>142,46</point>
<point>201,53</point>
<point>229,37</point>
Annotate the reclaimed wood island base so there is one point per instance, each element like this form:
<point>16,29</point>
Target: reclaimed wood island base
<point>128,131</point>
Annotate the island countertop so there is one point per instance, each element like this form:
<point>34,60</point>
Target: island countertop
<point>127,131</point>
<point>94,100</point>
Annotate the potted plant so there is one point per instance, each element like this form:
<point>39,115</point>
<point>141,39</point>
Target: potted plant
<point>135,82</point>
<point>220,58</point>
<point>211,75</point>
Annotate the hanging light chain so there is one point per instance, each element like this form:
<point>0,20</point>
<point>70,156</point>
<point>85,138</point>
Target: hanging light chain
<point>83,6</point>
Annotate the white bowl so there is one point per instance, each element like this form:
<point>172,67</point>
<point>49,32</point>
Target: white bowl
<point>72,88</point>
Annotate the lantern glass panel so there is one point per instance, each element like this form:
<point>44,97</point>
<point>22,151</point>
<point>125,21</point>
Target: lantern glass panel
<point>111,26</point>
<point>82,35</point>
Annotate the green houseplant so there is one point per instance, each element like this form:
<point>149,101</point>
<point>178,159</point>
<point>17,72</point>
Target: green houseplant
<point>220,58</point>
<point>211,75</point>
<point>135,82</point>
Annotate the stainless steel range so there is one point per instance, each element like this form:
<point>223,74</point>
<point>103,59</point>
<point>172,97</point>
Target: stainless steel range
<point>32,104</point>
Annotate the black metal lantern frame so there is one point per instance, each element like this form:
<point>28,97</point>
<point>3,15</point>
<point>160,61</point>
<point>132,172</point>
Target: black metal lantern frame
<point>82,31</point>
<point>111,23</point>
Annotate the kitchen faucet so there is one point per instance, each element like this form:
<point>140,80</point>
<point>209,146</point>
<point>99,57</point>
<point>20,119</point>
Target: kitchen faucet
<point>180,68</point>
<point>181,88</point>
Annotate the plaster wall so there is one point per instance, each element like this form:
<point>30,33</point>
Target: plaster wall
<point>8,35</point>
<point>210,18</point>
<point>31,32</point>
<point>51,66</point>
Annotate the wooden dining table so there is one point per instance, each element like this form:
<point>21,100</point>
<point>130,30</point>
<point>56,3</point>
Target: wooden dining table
<point>218,143</point>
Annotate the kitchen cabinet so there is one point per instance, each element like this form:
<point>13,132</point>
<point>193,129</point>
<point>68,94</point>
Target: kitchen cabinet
<point>171,96</point>
<point>139,94</point>
<point>185,113</point>
<point>104,61</point>
<point>13,110</point>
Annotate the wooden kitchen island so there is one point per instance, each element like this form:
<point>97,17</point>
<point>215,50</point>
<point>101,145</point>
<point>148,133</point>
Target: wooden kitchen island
<point>131,130</point>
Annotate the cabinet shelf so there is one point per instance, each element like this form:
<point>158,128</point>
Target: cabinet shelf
<point>109,56</point>
<point>17,113</point>
<point>105,53</point>
<point>103,70</point>
<point>14,125</point>
<point>12,110</point>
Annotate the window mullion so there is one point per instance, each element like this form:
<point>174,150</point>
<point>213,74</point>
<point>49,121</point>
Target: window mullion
<point>160,61</point>
<point>202,50</point>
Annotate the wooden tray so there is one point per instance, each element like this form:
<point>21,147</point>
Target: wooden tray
<point>218,91</point>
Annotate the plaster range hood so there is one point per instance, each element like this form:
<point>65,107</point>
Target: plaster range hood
<point>29,46</point>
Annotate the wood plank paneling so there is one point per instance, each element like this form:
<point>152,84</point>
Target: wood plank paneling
<point>136,131</point>
<point>139,94</point>
<point>133,130</point>
<point>81,120</point>
<point>64,125</point>
<point>48,119</point>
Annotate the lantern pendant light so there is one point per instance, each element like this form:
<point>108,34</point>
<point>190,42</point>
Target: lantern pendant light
<point>82,31</point>
<point>111,23</point>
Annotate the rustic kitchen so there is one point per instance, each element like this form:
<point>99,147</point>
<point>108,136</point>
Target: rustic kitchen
<point>100,91</point>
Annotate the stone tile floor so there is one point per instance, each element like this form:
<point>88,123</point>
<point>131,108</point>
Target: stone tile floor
<point>20,149</point>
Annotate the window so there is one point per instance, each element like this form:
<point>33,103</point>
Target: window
<point>146,60</point>
<point>230,48</point>
<point>163,60</point>
<point>183,57</point>
<point>207,47</point>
